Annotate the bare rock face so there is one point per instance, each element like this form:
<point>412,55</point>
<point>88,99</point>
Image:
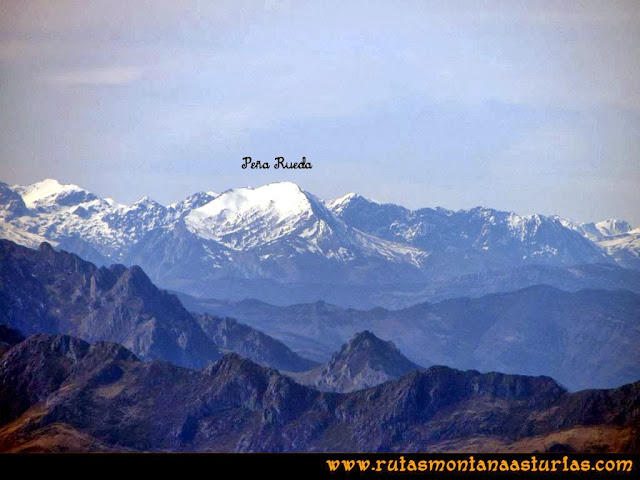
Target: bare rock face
<point>365,361</point>
<point>230,335</point>
<point>72,395</point>
<point>45,291</point>
<point>38,367</point>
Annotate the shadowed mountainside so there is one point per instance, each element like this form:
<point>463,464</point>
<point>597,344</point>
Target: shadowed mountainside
<point>44,291</point>
<point>231,336</point>
<point>61,393</point>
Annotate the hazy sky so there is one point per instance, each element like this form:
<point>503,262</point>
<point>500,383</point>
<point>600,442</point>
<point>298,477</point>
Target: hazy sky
<point>530,106</point>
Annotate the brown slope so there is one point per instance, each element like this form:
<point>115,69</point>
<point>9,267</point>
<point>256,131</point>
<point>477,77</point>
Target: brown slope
<point>102,392</point>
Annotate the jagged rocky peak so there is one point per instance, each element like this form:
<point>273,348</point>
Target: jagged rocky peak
<point>193,201</point>
<point>338,204</point>
<point>147,203</point>
<point>135,281</point>
<point>367,339</point>
<point>59,292</point>
<point>363,362</point>
<point>375,351</point>
<point>71,349</point>
<point>232,364</point>
<point>54,260</point>
<point>354,201</point>
<point>230,335</point>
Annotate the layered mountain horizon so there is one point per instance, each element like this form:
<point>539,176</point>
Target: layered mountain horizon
<point>119,382</point>
<point>44,291</point>
<point>282,244</point>
<point>584,339</point>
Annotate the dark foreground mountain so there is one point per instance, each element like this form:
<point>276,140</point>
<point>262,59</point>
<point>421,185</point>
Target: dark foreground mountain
<point>8,338</point>
<point>231,336</point>
<point>57,292</point>
<point>60,393</point>
<point>584,339</point>
<point>365,361</point>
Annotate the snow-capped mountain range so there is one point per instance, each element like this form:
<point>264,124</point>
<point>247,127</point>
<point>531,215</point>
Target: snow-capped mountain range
<point>616,237</point>
<point>282,234</point>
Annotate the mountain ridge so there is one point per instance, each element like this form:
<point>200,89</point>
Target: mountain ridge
<point>535,330</point>
<point>237,406</point>
<point>282,234</point>
<point>45,291</point>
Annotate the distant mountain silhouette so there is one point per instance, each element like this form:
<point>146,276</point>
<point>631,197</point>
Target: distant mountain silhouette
<point>584,339</point>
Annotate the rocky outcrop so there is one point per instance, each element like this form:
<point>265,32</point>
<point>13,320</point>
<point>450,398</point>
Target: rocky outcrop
<point>365,361</point>
<point>45,291</point>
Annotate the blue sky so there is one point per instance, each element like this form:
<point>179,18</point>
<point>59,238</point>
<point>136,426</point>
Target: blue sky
<point>524,106</point>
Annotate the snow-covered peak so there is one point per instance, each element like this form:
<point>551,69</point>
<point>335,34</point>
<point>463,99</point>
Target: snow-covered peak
<point>612,227</point>
<point>598,231</point>
<point>343,199</point>
<point>338,205</point>
<point>195,200</point>
<point>51,191</point>
<point>248,217</point>
<point>341,203</point>
<point>285,199</point>
<point>146,203</point>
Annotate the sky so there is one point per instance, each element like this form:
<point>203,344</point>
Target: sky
<point>527,106</point>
